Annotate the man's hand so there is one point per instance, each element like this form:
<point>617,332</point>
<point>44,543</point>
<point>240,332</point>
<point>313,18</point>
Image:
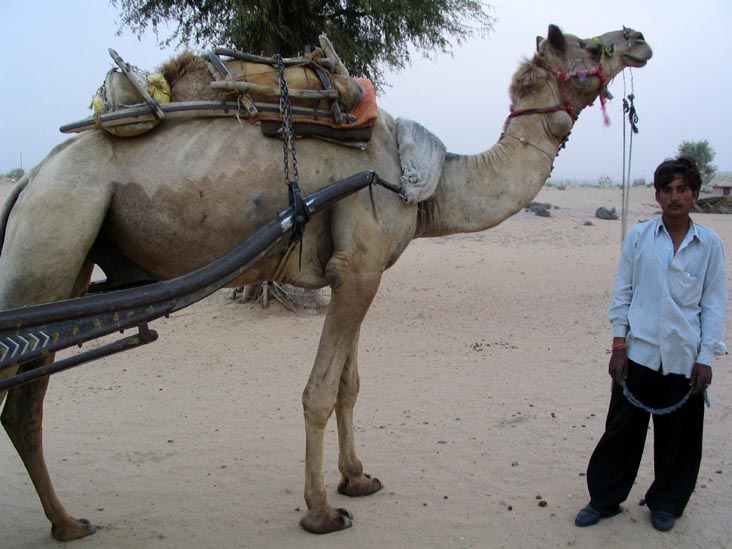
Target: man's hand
<point>618,366</point>
<point>701,378</point>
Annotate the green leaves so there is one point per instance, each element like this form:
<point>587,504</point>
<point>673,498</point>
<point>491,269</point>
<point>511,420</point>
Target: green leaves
<point>369,35</point>
<point>702,152</point>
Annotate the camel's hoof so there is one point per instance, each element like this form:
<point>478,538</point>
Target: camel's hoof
<point>363,486</point>
<point>73,529</point>
<point>337,519</point>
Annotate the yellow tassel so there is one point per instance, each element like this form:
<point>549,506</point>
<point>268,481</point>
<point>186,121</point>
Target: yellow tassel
<point>158,88</point>
<point>98,104</point>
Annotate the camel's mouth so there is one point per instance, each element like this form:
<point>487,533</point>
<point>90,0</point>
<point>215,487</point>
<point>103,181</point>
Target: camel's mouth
<point>637,61</point>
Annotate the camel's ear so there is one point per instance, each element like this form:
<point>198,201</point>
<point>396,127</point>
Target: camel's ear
<point>539,40</point>
<point>556,39</point>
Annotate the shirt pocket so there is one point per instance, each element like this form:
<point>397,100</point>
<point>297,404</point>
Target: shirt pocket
<point>685,288</point>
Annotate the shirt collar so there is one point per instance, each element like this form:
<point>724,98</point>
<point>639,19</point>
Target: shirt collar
<point>692,228</point>
<point>691,233</point>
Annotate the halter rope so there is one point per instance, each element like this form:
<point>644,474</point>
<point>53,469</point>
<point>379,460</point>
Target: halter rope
<point>566,104</point>
<point>562,77</point>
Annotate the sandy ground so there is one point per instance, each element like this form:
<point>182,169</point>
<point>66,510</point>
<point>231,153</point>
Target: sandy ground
<point>484,389</point>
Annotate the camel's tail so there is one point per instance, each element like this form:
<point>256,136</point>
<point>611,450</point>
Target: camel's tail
<point>21,184</point>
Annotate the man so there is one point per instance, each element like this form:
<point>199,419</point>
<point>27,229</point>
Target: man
<point>668,316</point>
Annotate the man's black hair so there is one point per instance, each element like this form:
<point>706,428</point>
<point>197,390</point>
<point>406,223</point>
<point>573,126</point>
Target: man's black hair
<point>670,169</point>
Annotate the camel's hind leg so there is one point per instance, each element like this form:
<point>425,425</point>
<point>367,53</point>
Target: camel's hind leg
<point>22,418</point>
<point>48,236</point>
<point>354,482</point>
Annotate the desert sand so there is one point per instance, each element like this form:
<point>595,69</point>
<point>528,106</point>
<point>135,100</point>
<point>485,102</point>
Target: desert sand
<point>484,388</point>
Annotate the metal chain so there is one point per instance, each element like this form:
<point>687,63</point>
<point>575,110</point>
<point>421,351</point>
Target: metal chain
<point>288,134</point>
<point>301,212</point>
<point>660,411</point>
<point>655,411</point>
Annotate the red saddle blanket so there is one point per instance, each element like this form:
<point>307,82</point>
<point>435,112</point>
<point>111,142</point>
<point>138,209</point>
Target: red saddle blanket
<point>356,127</point>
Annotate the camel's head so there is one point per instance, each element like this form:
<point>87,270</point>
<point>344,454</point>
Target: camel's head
<point>569,73</point>
<point>584,66</point>
<point>614,50</point>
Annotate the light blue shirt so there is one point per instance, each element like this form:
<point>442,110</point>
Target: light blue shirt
<point>670,308</point>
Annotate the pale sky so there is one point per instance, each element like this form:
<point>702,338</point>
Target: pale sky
<point>53,57</point>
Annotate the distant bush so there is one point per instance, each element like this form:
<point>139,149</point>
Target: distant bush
<point>604,181</point>
<point>563,184</point>
<point>17,173</point>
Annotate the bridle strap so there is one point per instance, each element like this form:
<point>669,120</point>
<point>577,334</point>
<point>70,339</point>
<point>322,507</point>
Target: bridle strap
<point>603,94</point>
<point>566,105</point>
<point>538,110</point>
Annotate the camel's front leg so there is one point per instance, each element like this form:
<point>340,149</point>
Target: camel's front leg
<point>353,291</point>
<point>354,482</point>
<point>22,418</point>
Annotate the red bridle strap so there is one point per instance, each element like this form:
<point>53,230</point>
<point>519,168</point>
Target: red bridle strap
<point>566,105</point>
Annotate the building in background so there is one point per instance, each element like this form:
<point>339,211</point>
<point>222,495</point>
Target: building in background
<point>721,184</point>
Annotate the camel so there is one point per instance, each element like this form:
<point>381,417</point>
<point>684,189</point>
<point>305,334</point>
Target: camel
<point>169,201</point>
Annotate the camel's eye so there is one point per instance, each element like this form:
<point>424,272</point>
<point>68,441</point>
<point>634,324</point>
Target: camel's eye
<point>594,49</point>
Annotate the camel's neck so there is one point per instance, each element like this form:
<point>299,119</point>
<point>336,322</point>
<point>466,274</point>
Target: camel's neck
<point>477,192</point>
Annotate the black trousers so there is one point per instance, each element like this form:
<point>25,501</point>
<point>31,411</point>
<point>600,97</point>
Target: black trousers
<point>677,444</point>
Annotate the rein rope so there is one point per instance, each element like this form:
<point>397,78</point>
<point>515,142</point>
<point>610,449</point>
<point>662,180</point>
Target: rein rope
<point>526,142</point>
<point>302,212</point>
